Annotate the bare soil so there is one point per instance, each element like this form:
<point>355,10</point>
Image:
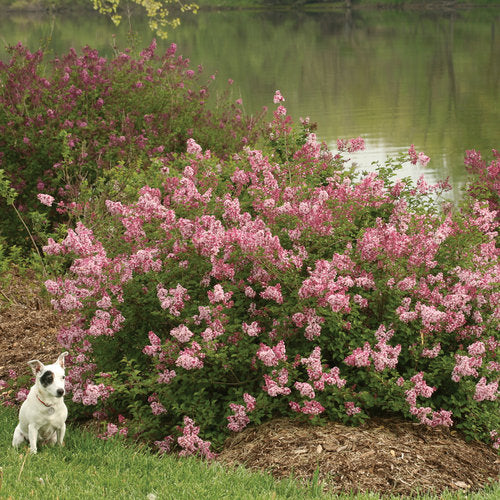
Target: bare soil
<point>385,455</point>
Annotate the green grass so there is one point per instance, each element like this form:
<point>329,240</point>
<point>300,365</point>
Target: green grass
<point>88,467</point>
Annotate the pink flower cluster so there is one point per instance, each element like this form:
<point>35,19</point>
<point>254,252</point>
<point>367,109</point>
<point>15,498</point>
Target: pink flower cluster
<point>252,330</point>
<point>155,347</point>
<point>421,158</point>
<point>495,437</point>
<point>311,407</point>
<point>92,393</point>
<point>317,375</point>
<point>218,295</point>
<point>193,148</point>
<point>465,366</point>
<point>486,391</point>
<point>156,407</point>
<point>312,321</point>
<point>164,444</point>
<point>485,181</point>
<point>278,97</point>
<point>22,394</point>
<point>329,284</point>
<point>431,353</point>
<point>360,356</point>
<point>191,358</point>
<point>191,443</point>
<point>182,333</point>
<point>383,356</point>
<point>271,356</point>
<point>273,293</point>
<point>240,420</point>
<point>420,388</point>
<point>277,387</point>
<point>280,127</point>
<point>173,299</point>
<point>46,199</point>
<point>305,389</point>
<point>113,430</point>
<point>166,376</point>
<point>351,145</point>
<point>351,409</point>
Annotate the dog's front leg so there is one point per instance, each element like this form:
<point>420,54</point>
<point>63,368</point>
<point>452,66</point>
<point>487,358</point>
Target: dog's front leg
<point>60,434</point>
<point>18,437</point>
<point>33,437</point>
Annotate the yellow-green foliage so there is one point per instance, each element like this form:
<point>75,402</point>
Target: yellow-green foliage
<point>157,11</point>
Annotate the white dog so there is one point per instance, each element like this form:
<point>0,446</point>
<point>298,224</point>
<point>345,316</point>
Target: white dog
<point>42,417</point>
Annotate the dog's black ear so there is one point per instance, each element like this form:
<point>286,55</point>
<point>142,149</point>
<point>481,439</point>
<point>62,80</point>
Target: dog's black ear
<point>36,366</point>
<point>61,357</point>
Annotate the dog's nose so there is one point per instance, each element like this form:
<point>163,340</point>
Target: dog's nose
<point>60,392</point>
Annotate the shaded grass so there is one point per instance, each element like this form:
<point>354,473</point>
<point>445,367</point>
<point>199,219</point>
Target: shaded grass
<point>89,468</point>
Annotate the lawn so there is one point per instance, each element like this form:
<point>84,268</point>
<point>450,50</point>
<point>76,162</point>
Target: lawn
<point>88,467</point>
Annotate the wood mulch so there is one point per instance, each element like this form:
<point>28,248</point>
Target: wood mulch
<point>28,326</point>
<point>385,455</point>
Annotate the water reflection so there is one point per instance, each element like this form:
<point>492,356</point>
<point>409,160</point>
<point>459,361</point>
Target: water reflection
<point>395,78</point>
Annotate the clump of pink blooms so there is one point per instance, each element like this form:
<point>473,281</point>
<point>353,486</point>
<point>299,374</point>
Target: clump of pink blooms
<point>495,437</point>
<point>239,420</point>
<point>420,388</point>
<point>91,393</point>
<point>383,356</point>
<point>351,145</point>
<point>45,199</point>
<point>276,279</point>
<point>172,299</point>
<point>271,356</point>
<point>191,443</point>
<point>22,394</point>
<point>113,430</point>
<point>418,158</point>
<point>351,408</point>
<point>486,391</point>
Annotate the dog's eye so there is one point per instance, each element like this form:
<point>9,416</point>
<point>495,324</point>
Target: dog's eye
<point>63,377</point>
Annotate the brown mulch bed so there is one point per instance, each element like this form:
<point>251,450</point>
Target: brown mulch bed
<point>388,456</point>
<point>28,326</point>
<point>27,334</point>
<point>384,456</point>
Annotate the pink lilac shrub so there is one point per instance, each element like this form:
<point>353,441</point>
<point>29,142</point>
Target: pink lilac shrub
<point>321,295</point>
<point>79,116</point>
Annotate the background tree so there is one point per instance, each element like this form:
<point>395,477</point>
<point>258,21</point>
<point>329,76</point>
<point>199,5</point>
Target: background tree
<point>158,12</point>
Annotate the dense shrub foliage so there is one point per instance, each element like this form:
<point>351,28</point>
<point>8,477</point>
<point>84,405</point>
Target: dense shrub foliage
<point>275,283</point>
<point>69,121</point>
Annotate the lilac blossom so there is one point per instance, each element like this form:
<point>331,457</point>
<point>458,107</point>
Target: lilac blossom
<point>46,199</point>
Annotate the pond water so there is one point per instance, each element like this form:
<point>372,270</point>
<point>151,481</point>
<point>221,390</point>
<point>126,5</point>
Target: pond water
<point>393,77</point>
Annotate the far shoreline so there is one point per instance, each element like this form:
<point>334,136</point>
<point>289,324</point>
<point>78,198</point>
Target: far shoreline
<point>339,6</point>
